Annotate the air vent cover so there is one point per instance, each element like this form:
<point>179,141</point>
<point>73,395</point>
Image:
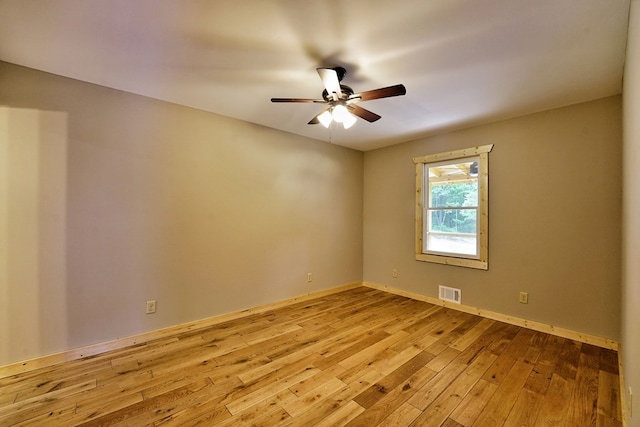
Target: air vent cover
<point>450,294</point>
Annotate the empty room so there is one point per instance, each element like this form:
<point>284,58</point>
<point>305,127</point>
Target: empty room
<point>320,213</point>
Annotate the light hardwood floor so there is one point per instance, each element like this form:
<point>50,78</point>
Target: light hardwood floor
<point>361,357</point>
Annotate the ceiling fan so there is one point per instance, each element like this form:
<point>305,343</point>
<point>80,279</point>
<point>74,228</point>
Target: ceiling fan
<point>342,100</point>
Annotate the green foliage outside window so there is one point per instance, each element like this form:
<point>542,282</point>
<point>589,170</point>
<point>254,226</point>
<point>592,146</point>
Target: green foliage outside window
<point>453,195</point>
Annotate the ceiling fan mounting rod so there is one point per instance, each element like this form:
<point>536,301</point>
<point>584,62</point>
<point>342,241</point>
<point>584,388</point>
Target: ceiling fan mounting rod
<point>340,72</point>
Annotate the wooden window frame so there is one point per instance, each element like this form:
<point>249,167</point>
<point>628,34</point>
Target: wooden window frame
<point>482,260</point>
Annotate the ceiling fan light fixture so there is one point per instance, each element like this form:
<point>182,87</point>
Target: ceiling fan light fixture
<point>325,118</point>
<point>340,100</point>
<point>340,113</point>
<point>348,120</point>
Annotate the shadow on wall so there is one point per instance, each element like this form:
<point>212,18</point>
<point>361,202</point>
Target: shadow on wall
<point>33,174</point>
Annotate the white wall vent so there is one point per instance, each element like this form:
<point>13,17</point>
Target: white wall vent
<point>450,294</point>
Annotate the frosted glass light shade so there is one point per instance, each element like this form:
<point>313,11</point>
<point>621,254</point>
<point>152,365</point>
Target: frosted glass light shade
<point>325,118</point>
<point>348,120</point>
<point>340,113</point>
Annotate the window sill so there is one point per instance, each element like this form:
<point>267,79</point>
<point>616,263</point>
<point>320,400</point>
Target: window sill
<point>460,262</point>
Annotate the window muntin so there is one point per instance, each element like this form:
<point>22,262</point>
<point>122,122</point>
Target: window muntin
<point>452,207</point>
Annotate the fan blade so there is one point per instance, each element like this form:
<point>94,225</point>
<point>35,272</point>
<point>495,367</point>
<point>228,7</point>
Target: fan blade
<point>363,113</point>
<point>330,81</point>
<point>298,100</point>
<point>384,92</point>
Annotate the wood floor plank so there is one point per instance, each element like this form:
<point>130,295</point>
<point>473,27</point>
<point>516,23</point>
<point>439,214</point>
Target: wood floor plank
<point>392,360</point>
<point>296,405</point>
<point>455,329</point>
<point>75,369</point>
<point>165,410</point>
<point>514,350</point>
<point>152,351</point>
<point>317,380</point>
<point>391,400</point>
<point>374,393</point>
<point>41,404</point>
<point>466,339</point>
<point>317,413</point>
<point>609,361</point>
<point>265,412</point>
<point>474,403</point>
<point>100,405</point>
<point>497,332</point>
<point>337,340</point>
<point>359,357</point>
<point>47,388</point>
<point>401,417</point>
<point>443,359</point>
<point>206,409</point>
<point>451,423</point>
<point>583,408</point>
<point>568,360</point>
<point>499,406</point>
<point>441,408</point>
<point>364,376</point>
<point>553,410</point>
<point>7,398</point>
<point>525,410</point>
<point>371,353</point>
<point>540,378</point>
<point>507,334</point>
<point>129,414</point>
<point>414,314</point>
<point>60,416</point>
<point>303,366</point>
<point>280,365</point>
<point>370,338</point>
<point>342,416</point>
<point>609,395</point>
<point>430,391</point>
<point>161,383</point>
<point>210,416</point>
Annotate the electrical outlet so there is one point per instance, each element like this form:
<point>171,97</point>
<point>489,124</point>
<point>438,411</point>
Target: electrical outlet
<point>394,273</point>
<point>309,277</point>
<point>524,298</point>
<point>151,307</point>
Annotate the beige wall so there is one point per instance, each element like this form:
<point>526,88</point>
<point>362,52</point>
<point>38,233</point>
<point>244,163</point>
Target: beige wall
<point>32,229</point>
<point>110,199</point>
<point>554,218</point>
<point>631,222</point>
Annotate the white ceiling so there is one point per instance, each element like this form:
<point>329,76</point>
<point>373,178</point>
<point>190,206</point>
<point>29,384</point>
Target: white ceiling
<point>463,62</point>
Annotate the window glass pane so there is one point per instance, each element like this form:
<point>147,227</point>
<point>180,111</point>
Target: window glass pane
<point>453,184</point>
<point>453,194</point>
<point>453,220</point>
<point>453,244</point>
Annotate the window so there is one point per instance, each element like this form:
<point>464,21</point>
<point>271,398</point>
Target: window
<point>452,207</point>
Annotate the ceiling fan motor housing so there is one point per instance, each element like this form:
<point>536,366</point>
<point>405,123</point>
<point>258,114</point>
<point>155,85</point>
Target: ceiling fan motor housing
<point>346,93</point>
